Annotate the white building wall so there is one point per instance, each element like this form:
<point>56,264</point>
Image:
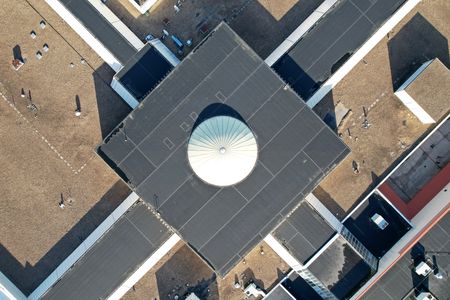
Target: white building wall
<point>414,107</point>
<point>171,58</point>
<point>124,93</point>
<point>409,102</point>
<point>145,7</point>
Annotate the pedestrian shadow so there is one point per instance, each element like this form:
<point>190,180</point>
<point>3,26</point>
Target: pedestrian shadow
<point>17,53</point>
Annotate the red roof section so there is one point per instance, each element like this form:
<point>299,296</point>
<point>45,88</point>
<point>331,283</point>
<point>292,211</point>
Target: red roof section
<point>422,198</point>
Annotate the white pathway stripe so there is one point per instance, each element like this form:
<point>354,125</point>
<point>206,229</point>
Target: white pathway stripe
<point>84,247</point>
<point>90,39</point>
<point>117,23</point>
<point>406,8</point>
<point>43,138</point>
<point>282,252</point>
<point>145,267</point>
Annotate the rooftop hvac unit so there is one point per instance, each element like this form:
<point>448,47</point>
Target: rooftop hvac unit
<point>253,290</point>
<point>422,269</point>
<point>426,296</point>
<point>192,296</point>
<point>379,221</point>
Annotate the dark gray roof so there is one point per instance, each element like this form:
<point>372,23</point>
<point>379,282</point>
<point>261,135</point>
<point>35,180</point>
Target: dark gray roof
<point>279,293</point>
<point>299,288</point>
<point>144,71</point>
<point>304,232</point>
<point>401,280</point>
<point>423,164</point>
<point>114,257</point>
<point>368,233</point>
<point>101,29</point>
<point>331,42</point>
<point>341,269</point>
<point>296,149</point>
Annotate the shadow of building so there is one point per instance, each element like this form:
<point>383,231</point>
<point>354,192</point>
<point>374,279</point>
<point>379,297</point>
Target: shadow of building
<point>416,42</point>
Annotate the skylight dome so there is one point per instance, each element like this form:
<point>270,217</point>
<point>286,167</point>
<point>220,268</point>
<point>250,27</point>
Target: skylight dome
<point>222,151</point>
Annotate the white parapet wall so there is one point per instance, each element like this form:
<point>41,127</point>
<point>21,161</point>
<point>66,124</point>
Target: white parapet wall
<point>117,23</point>
<point>296,35</point>
<point>145,267</point>
<point>408,155</point>
<point>282,252</point>
<point>144,7</point>
<point>414,107</point>
<point>405,9</point>
<point>89,38</point>
<point>409,102</point>
<point>85,34</point>
<point>84,247</point>
<point>324,212</point>
<point>8,291</point>
<point>165,52</point>
<point>124,93</point>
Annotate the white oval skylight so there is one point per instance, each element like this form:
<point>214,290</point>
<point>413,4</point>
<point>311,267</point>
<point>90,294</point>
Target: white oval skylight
<point>222,151</point>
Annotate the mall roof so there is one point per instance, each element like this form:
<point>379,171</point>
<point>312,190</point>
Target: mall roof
<point>223,76</point>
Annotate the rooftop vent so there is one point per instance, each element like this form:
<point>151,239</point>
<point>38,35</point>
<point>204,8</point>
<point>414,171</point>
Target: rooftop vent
<point>379,221</point>
<point>422,269</point>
